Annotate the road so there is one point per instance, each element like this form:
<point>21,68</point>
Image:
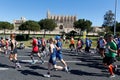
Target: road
<point>84,66</point>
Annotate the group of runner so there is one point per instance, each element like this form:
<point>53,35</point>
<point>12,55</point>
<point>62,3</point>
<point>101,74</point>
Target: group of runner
<point>108,47</point>
<point>79,44</point>
<point>55,51</point>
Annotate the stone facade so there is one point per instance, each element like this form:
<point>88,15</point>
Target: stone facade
<point>17,23</point>
<point>64,22</point>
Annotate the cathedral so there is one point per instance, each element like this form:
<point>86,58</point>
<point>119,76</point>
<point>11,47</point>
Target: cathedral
<point>64,22</point>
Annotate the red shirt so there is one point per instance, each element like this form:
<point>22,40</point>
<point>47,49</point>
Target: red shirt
<point>35,46</point>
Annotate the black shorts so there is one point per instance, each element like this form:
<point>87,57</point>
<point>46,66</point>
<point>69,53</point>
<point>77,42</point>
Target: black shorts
<point>43,48</point>
<point>108,60</point>
<point>101,49</point>
<point>14,51</point>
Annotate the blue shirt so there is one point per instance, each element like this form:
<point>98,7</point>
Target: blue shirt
<point>59,44</point>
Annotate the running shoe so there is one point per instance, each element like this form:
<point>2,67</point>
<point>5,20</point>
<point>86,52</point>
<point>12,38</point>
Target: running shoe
<point>42,62</point>
<point>111,76</point>
<point>17,65</point>
<point>47,75</point>
<point>67,69</point>
<point>33,62</point>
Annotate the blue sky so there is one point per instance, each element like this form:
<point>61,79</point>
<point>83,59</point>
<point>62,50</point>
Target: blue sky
<point>92,10</point>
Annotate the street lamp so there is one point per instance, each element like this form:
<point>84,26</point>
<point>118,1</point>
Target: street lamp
<point>115,18</point>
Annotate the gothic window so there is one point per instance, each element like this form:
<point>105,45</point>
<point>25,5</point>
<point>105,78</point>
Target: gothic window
<point>61,19</point>
<point>61,27</point>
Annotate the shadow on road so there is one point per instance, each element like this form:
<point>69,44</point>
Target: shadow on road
<point>82,73</point>
<point>37,67</point>
<point>30,72</point>
<point>6,66</point>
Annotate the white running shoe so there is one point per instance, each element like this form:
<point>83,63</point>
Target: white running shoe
<point>46,75</point>
<point>33,62</point>
<point>111,76</point>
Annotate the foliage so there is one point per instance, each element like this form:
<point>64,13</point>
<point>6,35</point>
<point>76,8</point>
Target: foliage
<point>83,24</point>
<point>47,24</point>
<point>101,33</point>
<point>71,33</point>
<point>22,37</point>
<point>118,27</point>
<point>30,25</point>
<point>108,19</point>
<point>111,28</point>
<point>6,25</point>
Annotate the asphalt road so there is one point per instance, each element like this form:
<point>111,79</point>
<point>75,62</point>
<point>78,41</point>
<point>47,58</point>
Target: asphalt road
<point>84,66</point>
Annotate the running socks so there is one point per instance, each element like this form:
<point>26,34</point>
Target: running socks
<point>110,68</point>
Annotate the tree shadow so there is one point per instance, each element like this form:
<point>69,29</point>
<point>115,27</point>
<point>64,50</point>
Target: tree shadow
<point>56,76</point>
<point>6,66</point>
<point>117,72</point>
<point>37,67</point>
<point>80,72</point>
<point>30,72</point>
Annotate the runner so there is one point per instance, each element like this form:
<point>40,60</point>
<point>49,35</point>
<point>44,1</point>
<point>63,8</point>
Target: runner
<point>52,59</point>
<point>39,44</point>
<point>110,54</point>
<point>72,43</point>
<point>13,54</point>
<point>117,41</point>
<point>6,46</point>
<point>43,44</point>
<point>101,47</point>
<point>35,50</point>
<point>79,45</point>
<point>88,43</point>
<point>59,52</point>
<point>2,44</point>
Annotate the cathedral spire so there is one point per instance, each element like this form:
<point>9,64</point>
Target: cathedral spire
<point>48,14</point>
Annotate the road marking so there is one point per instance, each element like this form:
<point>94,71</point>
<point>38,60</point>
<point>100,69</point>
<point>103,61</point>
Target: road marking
<point>4,68</point>
<point>20,56</point>
<point>29,61</point>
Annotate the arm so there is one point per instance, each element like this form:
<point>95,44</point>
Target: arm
<point>112,49</point>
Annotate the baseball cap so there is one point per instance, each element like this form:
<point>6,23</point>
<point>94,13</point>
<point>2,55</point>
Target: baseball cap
<point>57,37</point>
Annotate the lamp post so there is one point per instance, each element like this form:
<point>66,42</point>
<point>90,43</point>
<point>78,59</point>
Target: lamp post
<point>115,18</point>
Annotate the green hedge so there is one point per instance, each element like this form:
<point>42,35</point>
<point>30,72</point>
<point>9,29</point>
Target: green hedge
<point>22,37</point>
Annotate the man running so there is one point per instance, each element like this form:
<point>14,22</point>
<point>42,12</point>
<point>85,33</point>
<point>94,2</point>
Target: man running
<point>110,55</point>
<point>59,52</point>
<point>35,50</point>
<point>52,59</point>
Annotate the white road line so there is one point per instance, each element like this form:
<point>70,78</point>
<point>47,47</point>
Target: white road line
<point>20,56</point>
<point>47,61</point>
<point>3,68</point>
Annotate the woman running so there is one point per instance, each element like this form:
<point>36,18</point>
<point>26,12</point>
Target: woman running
<point>13,54</point>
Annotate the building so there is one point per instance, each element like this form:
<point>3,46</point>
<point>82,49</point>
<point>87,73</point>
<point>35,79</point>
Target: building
<point>17,23</point>
<point>64,22</point>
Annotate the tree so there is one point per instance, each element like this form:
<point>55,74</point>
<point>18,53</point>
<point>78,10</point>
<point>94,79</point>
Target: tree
<point>6,25</point>
<point>47,24</point>
<point>83,24</point>
<point>108,19</point>
<point>118,26</point>
<point>30,26</point>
